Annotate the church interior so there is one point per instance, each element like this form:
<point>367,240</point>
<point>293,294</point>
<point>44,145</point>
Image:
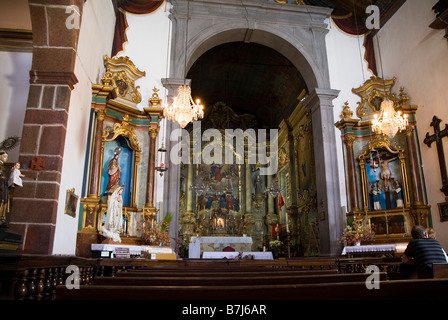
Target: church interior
<point>272,149</point>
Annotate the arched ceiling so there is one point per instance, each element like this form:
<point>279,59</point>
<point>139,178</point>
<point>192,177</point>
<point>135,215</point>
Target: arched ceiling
<point>249,78</point>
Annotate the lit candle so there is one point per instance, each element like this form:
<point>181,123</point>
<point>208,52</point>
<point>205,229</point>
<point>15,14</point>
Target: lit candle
<point>287,222</point>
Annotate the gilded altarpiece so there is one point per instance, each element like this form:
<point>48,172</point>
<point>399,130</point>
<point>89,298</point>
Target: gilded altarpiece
<point>122,153</point>
<point>225,198</point>
<point>297,177</point>
<point>383,175</point>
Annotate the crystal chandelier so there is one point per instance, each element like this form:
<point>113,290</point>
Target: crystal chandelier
<point>184,110</point>
<point>389,121</point>
<point>274,189</point>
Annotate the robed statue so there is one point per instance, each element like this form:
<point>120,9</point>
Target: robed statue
<point>113,225</point>
<point>114,171</point>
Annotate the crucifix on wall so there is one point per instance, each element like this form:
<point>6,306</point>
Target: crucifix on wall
<point>437,137</point>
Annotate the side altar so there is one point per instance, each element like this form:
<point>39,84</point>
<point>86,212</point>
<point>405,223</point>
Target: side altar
<point>122,155</point>
<point>385,188</point>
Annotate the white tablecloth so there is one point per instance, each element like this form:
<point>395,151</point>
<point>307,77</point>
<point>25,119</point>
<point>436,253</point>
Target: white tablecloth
<point>231,255</point>
<point>133,249</point>
<point>396,247</point>
<point>225,240</point>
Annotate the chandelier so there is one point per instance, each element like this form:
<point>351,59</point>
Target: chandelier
<point>274,189</point>
<point>184,110</point>
<point>389,121</point>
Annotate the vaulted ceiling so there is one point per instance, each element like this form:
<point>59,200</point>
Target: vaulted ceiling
<point>250,78</point>
<point>254,79</point>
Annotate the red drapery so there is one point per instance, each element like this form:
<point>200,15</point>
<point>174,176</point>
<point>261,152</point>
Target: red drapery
<point>350,24</point>
<point>135,7</point>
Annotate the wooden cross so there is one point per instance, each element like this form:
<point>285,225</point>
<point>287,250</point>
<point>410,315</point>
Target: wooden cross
<point>437,137</point>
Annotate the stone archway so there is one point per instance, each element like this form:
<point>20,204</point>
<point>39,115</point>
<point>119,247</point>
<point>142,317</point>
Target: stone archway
<point>298,33</point>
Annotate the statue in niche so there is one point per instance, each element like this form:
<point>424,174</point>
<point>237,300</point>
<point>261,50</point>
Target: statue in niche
<point>4,190</point>
<point>114,171</point>
<point>257,184</point>
<point>113,225</point>
<point>385,172</point>
<point>376,196</point>
<point>398,194</point>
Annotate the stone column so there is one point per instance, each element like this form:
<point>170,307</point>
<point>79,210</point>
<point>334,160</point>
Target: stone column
<point>52,78</point>
<point>327,177</point>
<point>171,185</point>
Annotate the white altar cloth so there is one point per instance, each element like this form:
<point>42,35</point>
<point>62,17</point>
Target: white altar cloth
<point>232,255</point>
<point>108,250</point>
<point>200,245</point>
<point>396,247</point>
<point>223,240</point>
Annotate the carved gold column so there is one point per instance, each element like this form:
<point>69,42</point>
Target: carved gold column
<point>96,161</point>
<point>413,165</point>
<point>346,126</point>
<point>155,115</point>
<point>351,171</point>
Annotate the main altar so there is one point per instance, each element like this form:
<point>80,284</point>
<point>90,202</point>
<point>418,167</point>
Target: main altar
<point>199,245</point>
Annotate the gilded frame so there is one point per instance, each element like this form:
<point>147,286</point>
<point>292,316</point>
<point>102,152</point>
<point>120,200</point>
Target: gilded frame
<point>388,215</point>
<point>125,130</point>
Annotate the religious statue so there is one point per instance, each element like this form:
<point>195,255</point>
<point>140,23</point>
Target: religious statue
<point>398,194</point>
<point>114,217</point>
<point>15,178</point>
<point>114,171</point>
<point>376,196</point>
<point>258,185</point>
<point>4,191</point>
<point>385,172</point>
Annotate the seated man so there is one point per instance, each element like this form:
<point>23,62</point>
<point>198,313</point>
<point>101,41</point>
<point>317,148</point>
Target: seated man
<point>420,254</point>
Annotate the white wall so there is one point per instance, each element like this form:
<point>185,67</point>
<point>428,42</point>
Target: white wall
<point>14,86</point>
<point>348,70</point>
<point>147,46</point>
<point>418,56</point>
<point>95,40</point>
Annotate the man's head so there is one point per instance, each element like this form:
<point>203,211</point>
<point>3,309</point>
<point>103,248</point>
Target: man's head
<point>419,232</point>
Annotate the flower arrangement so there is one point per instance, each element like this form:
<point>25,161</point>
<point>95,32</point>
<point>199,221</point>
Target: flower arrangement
<point>358,232</point>
<point>157,234</point>
<point>275,244</point>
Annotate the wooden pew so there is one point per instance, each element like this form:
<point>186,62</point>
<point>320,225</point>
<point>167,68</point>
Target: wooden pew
<point>222,273</point>
<point>440,270</point>
<point>419,289</point>
<point>235,281</point>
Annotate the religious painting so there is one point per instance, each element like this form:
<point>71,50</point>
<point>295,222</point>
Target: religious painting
<point>222,187</point>
<point>384,186</point>
<point>71,202</point>
<point>443,211</point>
